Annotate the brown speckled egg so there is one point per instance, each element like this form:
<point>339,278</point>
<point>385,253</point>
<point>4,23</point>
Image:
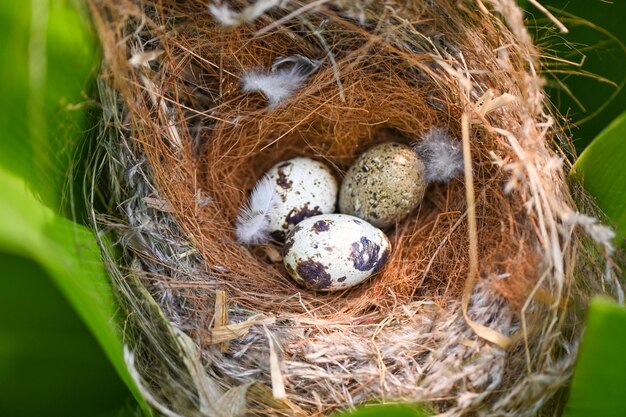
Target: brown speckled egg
<point>332,252</point>
<point>383,185</point>
<point>304,187</point>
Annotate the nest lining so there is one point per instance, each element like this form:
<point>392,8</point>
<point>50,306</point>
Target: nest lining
<point>187,145</point>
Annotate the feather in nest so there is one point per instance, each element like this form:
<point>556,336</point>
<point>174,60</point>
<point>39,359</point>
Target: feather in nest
<point>253,220</point>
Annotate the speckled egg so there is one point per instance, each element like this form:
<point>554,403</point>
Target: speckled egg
<point>304,188</point>
<point>332,252</point>
<point>383,185</point>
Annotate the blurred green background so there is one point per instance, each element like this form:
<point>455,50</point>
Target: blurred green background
<point>591,95</point>
<point>60,348</point>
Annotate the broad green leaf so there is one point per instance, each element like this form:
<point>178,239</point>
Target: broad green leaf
<point>68,256</point>
<point>50,59</point>
<point>50,364</point>
<point>387,410</point>
<point>589,91</point>
<point>601,168</point>
<point>600,378</point>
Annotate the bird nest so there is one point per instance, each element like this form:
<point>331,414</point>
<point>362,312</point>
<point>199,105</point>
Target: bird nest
<point>479,305</point>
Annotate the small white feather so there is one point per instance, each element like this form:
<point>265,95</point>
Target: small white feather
<point>442,155</point>
<point>285,78</point>
<point>253,221</point>
<point>230,17</point>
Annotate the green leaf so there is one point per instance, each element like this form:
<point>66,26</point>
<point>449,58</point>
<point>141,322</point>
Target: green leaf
<point>601,168</point>
<point>387,410</point>
<point>60,348</point>
<point>64,267</point>
<point>50,58</point>
<point>50,364</point>
<point>600,378</point>
<point>590,91</point>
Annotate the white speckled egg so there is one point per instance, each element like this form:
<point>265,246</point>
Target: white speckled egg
<point>332,252</point>
<point>304,187</point>
<point>383,185</point>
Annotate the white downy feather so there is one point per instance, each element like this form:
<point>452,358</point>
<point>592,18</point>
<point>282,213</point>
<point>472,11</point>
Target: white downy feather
<point>282,81</point>
<point>442,155</point>
<point>253,221</point>
<point>227,16</point>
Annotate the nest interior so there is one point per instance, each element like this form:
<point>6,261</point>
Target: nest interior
<point>189,144</point>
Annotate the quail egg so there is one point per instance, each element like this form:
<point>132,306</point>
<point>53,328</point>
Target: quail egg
<point>383,185</point>
<point>332,252</point>
<point>304,187</point>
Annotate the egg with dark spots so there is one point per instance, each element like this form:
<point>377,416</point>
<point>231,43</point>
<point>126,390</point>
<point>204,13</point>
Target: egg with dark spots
<point>333,252</point>
<point>304,187</point>
<point>384,185</point>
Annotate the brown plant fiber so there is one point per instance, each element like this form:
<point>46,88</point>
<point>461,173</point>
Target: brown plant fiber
<point>185,145</point>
